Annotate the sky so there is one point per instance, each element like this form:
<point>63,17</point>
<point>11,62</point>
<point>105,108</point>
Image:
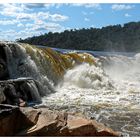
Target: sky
<point>22,20</point>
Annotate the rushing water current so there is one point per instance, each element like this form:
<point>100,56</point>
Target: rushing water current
<point>101,86</point>
<point>108,92</point>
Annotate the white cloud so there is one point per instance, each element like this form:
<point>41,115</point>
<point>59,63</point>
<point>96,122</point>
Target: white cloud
<point>32,22</point>
<point>20,12</point>
<point>48,27</point>
<point>89,13</point>
<point>8,22</point>
<point>35,5</point>
<point>119,7</point>
<point>20,25</point>
<point>58,17</point>
<point>51,17</point>
<point>43,5</point>
<point>34,16</point>
<point>86,19</point>
<point>12,7</point>
<point>8,34</point>
<point>28,25</point>
<point>43,15</point>
<point>25,16</point>
<point>58,5</point>
<point>93,5</point>
<point>11,34</point>
<point>40,27</point>
<point>89,5</point>
<point>127,15</point>
<point>39,22</point>
<point>54,27</point>
<point>9,9</point>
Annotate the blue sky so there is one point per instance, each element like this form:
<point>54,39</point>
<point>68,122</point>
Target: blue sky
<point>31,19</point>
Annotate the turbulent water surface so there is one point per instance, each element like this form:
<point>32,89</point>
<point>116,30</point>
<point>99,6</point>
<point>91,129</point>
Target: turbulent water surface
<point>105,87</point>
<point>108,92</point>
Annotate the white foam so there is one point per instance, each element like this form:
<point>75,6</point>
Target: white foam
<point>110,84</point>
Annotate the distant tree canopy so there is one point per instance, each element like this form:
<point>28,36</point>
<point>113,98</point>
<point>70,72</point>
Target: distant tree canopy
<point>110,38</point>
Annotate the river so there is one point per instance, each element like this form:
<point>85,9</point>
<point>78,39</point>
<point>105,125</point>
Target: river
<point>108,92</point>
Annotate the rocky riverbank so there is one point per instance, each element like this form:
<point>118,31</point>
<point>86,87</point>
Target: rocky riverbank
<point>28,121</point>
<point>18,119</point>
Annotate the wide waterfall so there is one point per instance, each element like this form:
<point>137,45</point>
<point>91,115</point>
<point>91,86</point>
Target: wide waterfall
<point>105,88</point>
<point>44,65</point>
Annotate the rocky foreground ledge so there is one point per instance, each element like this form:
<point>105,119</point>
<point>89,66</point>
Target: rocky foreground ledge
<point>28,121</point>
<point>16,120</point>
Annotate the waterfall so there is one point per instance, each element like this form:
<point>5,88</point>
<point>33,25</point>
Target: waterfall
<point>20,65</point>
<point>104,87</point>
<point>46,66</point>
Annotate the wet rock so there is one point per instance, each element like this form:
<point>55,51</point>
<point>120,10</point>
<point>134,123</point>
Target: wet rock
<point>78,126</point>
<point>19,92</point>
<point>11,95</point>
<point>27,121</point>
<point>4,74</point>
<point>3,69</point>
<point>31,114</point>
<point>2,96</point>
<point>48,122</point>
<point>22,103</point>
<point>54,123</point>
<point>12,120</point>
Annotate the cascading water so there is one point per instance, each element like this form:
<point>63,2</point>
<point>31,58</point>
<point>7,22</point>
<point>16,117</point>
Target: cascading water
<point>20,64</point>
<point>43,65</point>
<point>108,92</point>
<point>106,88</point>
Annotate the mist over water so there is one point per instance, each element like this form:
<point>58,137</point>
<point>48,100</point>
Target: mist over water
<point>108,92</point>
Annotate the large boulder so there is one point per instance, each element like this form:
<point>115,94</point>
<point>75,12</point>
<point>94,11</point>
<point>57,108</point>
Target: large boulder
<point>12,120</point>
<point>54,123</point>
<point>27,121</point>
<point>79,126</point>
<point>19,92</point>
<point>48,123</point>
<point>2,96</point>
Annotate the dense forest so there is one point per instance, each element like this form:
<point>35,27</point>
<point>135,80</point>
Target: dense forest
<point>111,38</point>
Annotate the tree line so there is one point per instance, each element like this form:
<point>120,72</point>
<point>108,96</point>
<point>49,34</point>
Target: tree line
<point>110,38</point>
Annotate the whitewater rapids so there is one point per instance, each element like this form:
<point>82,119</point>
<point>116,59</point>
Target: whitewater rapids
<point>108,92</point>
